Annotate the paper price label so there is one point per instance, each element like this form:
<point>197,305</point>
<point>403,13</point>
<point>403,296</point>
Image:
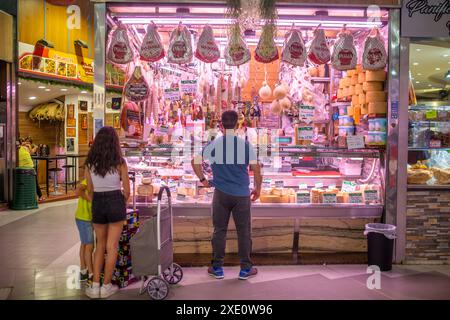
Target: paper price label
<point>371,195</point>
<point>306,113</point>
<point>172,94</point>
<point>295,161</point>
<point>332,186</point>
<point>267,183</point>
<point>319,185</point>
<point>188,86</point>
<point>329,198</point>
<point>355,142</point>
<point>355,197</point>
<point>181,197</point>
<point>305,133</point>
<point>279,184</point>
<point>303,186</point>
<point>348,186</point>
<point>303,197</point>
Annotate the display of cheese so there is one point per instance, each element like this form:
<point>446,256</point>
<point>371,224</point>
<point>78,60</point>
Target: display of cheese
<point>362,98</point>
<point>315,195</point>
<point>365,108</point>
<point>361,77</point>
<point>351,73</point>
<point>377,75</point>
<point>355,99</point>
<point>277,195</point>
<point>342,197</point>
<point>187,191</point>
<point>347,81</point>
<point>358,88</point>
<point>359,68</point>
<point>354,79</point>
<point>340,94</point>
<point>375,96</point>
<point>377,107</point>
<point>342,83</point>
<point>372,86</point>
<point>145,190</point>
<point>350,110</point>
<point>345,92</point>
<point>442,176</point>
<point>357,114</point>
<point>351,90</point>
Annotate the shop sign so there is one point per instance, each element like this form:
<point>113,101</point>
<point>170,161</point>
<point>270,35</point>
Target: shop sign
<point>306,113</point>
<point>188,86</point>
<point>55,64</point>
<point>303,197</point>
<point>425,18</point>
<point>355,197</point>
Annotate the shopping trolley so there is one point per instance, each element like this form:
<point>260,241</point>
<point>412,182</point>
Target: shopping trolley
<point>152,250</point>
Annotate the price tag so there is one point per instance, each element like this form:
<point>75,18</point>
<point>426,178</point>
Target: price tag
<point>181,197</point>
<point>431,114</point>
<point>210,194</point>
<point>279,184</point>
<point>332,186</point>
<point>172,94</point>
<point>355,142</point>
<point>188,86</point>
<point>305,133</point>
<point>355,197</point>
<point>303,186</point>
<point>266,183</point>
<point>303,197</point>
<point>173,189</point>
<point>329,198</point>
<point>306,113</point>
<point>295,160</point>
<point>371,195</point>
<point>348,186</point>
<point>319,185</point>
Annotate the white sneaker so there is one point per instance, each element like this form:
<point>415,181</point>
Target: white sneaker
<point>93,291</point>
<point>108,290</point>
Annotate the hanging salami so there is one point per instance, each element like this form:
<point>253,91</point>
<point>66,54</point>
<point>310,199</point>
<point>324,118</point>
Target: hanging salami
<point>344,52</point>
<point>180,46</point>
<point>374,56</point>
<point>152,49</point>
<point>266,50</point>
<point>236,52</point>
<point>137,88</point>
<point>120,51</point>
<point>207,49</point>
<point>294,51</point>
<point>319,53</point>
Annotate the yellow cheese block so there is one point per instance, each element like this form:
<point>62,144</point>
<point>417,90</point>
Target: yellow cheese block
<point>357,114</point>
<point>350,110</point>
<point>354,79</point>
<point>351,90</point>
<point>358,88</point>
<point>372,86</point>
<point>359,68</point>
<point>361,77</point>
<point>378,107</point>
<point>355,99</point>
<point>364,108</point>
<point>362,98</point>
<point>375,96</point>
<point>377,75</point>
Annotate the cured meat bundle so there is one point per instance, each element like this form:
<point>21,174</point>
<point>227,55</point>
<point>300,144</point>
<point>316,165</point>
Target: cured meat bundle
<point>344,52</point>
<point>152,49</point>
<point>207,49</point>
<point>236,52</point>
<point>266,50</point>
<point>136,89</point>
<point>319,53</point>
<point>374,56</point>
<point>120,51</point>
<point>180,46</point>
<point>294,51</point>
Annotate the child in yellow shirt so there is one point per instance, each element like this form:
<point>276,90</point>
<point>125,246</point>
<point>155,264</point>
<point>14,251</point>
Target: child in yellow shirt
<point>83,219</point>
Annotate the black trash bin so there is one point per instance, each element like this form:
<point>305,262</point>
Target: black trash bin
<point>380,245</point>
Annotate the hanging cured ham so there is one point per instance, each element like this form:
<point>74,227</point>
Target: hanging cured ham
<point>266,50</point>
<point>374,56</point>
<point>207,49</point>
<point>130,119</point>
<point>137,88</point>
<point>319,53</point>
<point>344,53</point>
<point>294,51</point>
<point>236,52</point>
<point>180,46</point>
<point>120,51</point>
<point>152,49</point>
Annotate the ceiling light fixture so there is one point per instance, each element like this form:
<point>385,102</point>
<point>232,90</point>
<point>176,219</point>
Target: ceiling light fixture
<point>415,63</point>
<point>447,76</point>
<point>418,49</point>
<point>83,91</point>
<point>47,90</point>
<point>41,87</point>
<point>19,83</point>
<point>63,89</point>
<point>417,82</point>
<point>419,74</point>
<point>32,98</point>
<point>445,55</point>
<point>438,69</point>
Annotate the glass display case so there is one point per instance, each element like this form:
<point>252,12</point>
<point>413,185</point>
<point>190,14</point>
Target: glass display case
<point>429,146</point>
<point>301,181</point>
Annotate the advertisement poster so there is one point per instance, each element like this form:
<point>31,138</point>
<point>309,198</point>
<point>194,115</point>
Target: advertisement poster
<point>133,124</point>
<point>83,105</point>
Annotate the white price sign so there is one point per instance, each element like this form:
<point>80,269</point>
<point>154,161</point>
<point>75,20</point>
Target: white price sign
<point>355,197</point>
<point>348,186</point>
<point>319,185</point>
<point>306,113</point>
<point>188,86</point>
<point>329,198</point>
<point>305,133</point>
<point>279,184</point>
<point>303,197</point>
<point>371,195</point>
<point>172,94</point>
<point>355,142</point>
<point>303,186</point>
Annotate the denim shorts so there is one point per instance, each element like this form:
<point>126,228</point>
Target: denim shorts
<point>108,207</point>
<point>86,231</point>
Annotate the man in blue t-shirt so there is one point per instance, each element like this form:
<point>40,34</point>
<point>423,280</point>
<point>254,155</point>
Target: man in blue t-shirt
<point>230,157</point>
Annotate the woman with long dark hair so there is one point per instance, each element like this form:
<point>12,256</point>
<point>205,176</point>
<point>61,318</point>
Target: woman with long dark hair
<point>106,176</point>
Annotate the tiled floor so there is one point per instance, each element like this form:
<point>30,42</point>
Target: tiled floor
<point>37,247</point>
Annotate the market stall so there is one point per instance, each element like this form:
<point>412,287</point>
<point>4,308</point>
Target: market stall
<point>310,85</point>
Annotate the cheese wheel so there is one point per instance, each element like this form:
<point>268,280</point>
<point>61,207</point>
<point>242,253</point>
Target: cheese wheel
<point>351,73</point>
<point>341,83</point>
<point>357,114</point>
<point>377,75</point>
<point>378,107</point>
<point>361,77</point>
<point>350,110</point>
<point>359,88</point>
<point>339,93</point>
<point>364,108</point>
<point>359,68</point>
<point>345,92</point>
<point>354,79</point>
<point>355,99</point>
<point>347,81</point>
<point>372,86</point>
<point>351,90</point>
<point>375,96</point>
<point>362,98</point>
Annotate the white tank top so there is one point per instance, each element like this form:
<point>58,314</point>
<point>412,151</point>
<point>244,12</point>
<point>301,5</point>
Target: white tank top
<point>110,182</point>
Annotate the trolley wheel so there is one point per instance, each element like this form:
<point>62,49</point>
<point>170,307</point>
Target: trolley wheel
<point>173,274</point>
<point>157,288</point>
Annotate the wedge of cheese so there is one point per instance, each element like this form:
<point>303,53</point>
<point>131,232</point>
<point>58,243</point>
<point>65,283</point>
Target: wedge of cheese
<point>372,86</point>
<point>351,73</point>
<point>340,93</point>
<point>345,92</point>
<point>377,75</point>
<point>347,81</point>
<point>375,96</point>
<point>377,107</point>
